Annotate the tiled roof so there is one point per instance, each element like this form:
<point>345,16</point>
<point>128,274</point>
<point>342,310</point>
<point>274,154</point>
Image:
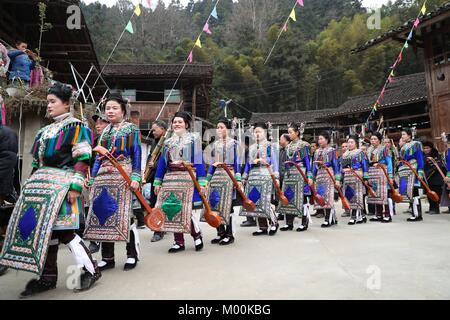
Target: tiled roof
<point>404,90</point>
<point>311,117</point>
<point>159,70</point>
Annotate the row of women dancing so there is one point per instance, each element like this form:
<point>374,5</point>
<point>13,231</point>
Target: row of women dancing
<point>67,177</point>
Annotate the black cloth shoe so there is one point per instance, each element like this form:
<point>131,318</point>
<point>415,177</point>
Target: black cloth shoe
<point>376,219</point>
<point>363,220</point>
<point>176,248</point>
<point>87,280</point>
<point>3,270</point>
<point>287,227</point>
<point>129,265</point>
<point>105,265</point>
<point>94,247</point>
<point>37,286</point>
<point>273,230</point>
<point>432,212</point>
<point>199,246</point>
<point>248,224</point>
<point>302,228</point>
<point>260,232</point>
<point>216,240</point>
<point>280,217</point>
<point>351,222</point>
<point>226,241</point>
<point>325,225</point>
<point>319,215</point>
<point>386,220</point>
<point>157,236</point>
<point>414,219</point>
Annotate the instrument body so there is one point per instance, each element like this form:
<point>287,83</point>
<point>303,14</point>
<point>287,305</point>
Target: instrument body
<point>395,195</point>
<point>439,170</point>
<point>433,195</point>
<point>365,183</point>
<point>345,202</point>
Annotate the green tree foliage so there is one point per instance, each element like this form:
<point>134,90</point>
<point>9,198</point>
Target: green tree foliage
<point>310,68</point>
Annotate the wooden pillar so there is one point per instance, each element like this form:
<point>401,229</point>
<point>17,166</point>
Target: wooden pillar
<point>194,101</point>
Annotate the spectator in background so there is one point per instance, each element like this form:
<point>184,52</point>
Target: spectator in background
<point>434,179</point>
<point>22,62</point>
<point>4,64</point>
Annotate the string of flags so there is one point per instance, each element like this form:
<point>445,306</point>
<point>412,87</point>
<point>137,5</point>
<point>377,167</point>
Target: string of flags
<point>391,77</point>
<point>292,16</point>
<point>137,11</point>
<point>206,29</point>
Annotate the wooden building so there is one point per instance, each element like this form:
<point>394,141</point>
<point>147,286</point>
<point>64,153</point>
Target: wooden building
<point>432,36</point>
<point>149,85</point>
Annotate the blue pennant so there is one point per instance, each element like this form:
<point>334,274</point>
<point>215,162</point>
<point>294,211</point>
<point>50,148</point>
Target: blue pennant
<point>214,198</point>
<point>289,193</point>
<point>403,187</point>
<point>349,192</point>
<point>104,206</point>
<point>254,195</point>
<point>321,189</point>
<point>27,223</point>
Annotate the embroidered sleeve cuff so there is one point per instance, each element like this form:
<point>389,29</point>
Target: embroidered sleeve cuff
<point>448,174</point>
<point>338,177</point>
<point>366,176</point>
<point>309,175</point>
<point>77,182</point>
<point>202,182</point>
<point>135,177</point>
<point>421,173</point>
<point>238,177</point>
<point>157,182</point>
<point>209,177</point>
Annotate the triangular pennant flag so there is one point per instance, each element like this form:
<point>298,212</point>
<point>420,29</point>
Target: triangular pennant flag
<point>300,3</point>
<point>285,27</point>
<point>129,27</point>
<point>392,73</point>
<point>424,9</point>
<point>400,56</point>
<point>3,114</point>
<point>137,10</point>
<point>292,15</point>
<point>416,23</point>
<point>214,13</point>
<point>410,36</point>
<point>406,44</point>
<point>382,93</point>
<point>190,57</point>
<point>198,43</point>
<point>206,28</point>
<point>374,108</point>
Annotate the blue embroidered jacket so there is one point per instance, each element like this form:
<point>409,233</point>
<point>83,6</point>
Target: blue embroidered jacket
<point>227,153</point>
<point>413,153</point>
<point>328,157</point>
<point>123,141</point>
<point>187,147</point>
<point>356,160</point>
<point>299,152</point>
<point>381,155</point>
<point>262,150</point>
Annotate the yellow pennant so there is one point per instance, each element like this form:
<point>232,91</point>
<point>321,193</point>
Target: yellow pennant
<point>137,10</point>
<point>424,9</point>
<point>198,43</point>
<point>292,15</point>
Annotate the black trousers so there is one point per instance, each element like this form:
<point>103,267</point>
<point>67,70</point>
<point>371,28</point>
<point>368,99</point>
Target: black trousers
<point>108,248</point>
<point>226,230</point>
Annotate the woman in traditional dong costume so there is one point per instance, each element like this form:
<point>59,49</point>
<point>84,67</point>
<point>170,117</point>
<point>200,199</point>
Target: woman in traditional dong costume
<point>325,156</point>
<point>354,161</point>
<point>221,195</point>
<point>294,187</point>
<point>409,185</point>
<point>378,153</point>
<point>445,199</point>
<point>49,208</point>
<point>110,216</point>
<point>258,182</point>
<point>174,186</point>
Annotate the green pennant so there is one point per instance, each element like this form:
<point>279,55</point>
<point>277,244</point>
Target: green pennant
<point>129,27</point>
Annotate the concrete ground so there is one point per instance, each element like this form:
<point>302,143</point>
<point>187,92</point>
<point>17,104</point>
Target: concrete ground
<point>400,260</point>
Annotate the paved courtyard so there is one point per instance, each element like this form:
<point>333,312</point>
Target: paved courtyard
<point>400,260</point>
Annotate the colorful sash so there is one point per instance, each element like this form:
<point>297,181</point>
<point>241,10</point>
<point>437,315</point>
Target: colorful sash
<point>110,206</point>
<point>378,182</point>
<point>175,200</point>
<point>259,189</point>
<point>39,209</point>
<point>220,194</point>
<point>293,189</point>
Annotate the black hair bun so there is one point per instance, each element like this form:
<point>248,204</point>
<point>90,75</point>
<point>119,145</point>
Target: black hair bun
<point>61,90</point>
<point>260,125</point>
<point>116,97</point>
<point>226,122</point>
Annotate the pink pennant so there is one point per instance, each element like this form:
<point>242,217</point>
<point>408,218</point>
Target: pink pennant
<point>416,23</point>
<point>149,2</point>
<point>3,114</point>
<point>382,92</point>
<point>206,28</point>
<point>391,79</point>
<point>400,56</point>
<point>300,3</point>
<point>285,28</point>
<point>190,57</point>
